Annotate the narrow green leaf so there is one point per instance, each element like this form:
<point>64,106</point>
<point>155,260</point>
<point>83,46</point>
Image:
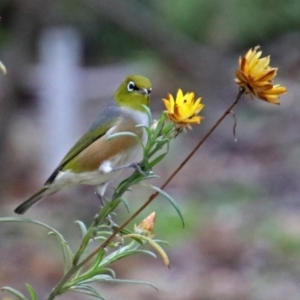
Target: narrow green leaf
<point>102,271</point>
<point>160,126</point>
<point>148,112</point>
<point>67,256</point>
<point>108,208</point>
<point>169,198</point>
<point>87,290</point>
<point>116,256</point>
<point>91,276</point>
<point>149,132</point>
<point>14,292</point>
<point>126,204</point>
<point>82,227</point>
<point>110,271</point>
<point>88,276</point>
<point>159,145</point>
<point>98,259</point>
<point>167,129</point>
<point>157,159</point>
<point>31,291</point>
<point>101,277</point>
<point>132,282</point>
<point>126,133</point>
<point>66,250</point>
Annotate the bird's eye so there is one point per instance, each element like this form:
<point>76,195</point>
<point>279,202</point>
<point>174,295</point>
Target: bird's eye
<point>149,90</point>
<point>130,86</point>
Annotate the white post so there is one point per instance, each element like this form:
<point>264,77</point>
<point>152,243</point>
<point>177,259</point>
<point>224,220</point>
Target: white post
<point>60,52</point>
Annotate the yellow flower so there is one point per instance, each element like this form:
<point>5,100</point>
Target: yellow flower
<point>146,227</point>
<point>184,109</point>
<point>255,76</point>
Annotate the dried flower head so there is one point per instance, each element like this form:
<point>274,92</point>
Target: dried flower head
<point>256,76</point>
<point>146,227</point>
<point>184,109</point>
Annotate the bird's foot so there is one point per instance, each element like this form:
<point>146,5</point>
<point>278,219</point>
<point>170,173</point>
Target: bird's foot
<point>136,166</point>
<point>111,224</point>
<point>109,219</point>
<point>101,198</point>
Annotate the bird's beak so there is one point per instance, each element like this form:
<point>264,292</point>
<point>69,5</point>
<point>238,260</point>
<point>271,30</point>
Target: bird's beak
<point>144,91</point>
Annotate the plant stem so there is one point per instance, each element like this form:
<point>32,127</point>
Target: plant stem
<point>75,268</point>
<point>56,291</point>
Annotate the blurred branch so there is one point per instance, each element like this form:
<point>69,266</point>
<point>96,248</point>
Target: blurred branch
<point>177,49</point>
<point>2,68</point>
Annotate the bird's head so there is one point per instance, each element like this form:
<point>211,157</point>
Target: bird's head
<point>133,92</point>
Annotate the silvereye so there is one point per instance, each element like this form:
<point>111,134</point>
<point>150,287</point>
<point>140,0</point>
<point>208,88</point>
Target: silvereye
<point>94,159</point>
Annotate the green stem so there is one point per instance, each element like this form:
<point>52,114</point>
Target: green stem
<point>56,291</point>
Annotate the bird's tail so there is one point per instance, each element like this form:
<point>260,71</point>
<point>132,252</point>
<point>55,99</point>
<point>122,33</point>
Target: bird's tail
<point>21,209</point>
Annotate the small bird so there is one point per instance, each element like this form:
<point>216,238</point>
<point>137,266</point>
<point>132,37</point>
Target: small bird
<point>95,160</point>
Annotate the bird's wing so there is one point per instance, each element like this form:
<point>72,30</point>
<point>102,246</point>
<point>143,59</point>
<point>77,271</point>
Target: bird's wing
<point>105,121</point>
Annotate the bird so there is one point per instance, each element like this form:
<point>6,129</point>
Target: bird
<point>96,160</point>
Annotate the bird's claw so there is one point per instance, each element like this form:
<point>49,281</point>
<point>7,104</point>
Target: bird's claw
<point>137,167</point>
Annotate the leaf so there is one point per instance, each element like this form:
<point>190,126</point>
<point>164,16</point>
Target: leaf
<point>126,204</point>
<point>91,275</point>
<point>148,131</point>
<point>101,271</point>
<point>31,291</point>
<point>158,146</point>
<point>108,208</point>
<point>101,277</point>
<point>67,253</point>
<point>167,129</point>
<point>154,244</point>
<point>67,256</point>
<point>98,259</point>
<point>161,251</point>
<point>87,290</point>
<point>157,159</point>
<point>169,198</point>
<point>148,112</point>
<point>114,257</point>
<point>112,273</point>
<point>14,292</point>
<point>82,227</point>
<point>132,282</point>
<point>126,133</point>
<point>160,126</point>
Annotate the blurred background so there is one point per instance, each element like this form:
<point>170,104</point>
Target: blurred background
<point>240,199</point>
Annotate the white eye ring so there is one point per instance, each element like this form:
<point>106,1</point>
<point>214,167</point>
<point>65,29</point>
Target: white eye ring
<point>130,86</point>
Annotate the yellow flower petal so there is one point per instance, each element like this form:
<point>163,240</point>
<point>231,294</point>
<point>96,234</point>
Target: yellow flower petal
<point>184,110</point>
<point>255,75</point>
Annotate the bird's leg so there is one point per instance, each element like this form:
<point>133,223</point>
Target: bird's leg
<point>101,198</point>
<point>100,190</point>
<point>135,166</point>
<point>107,167</point>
